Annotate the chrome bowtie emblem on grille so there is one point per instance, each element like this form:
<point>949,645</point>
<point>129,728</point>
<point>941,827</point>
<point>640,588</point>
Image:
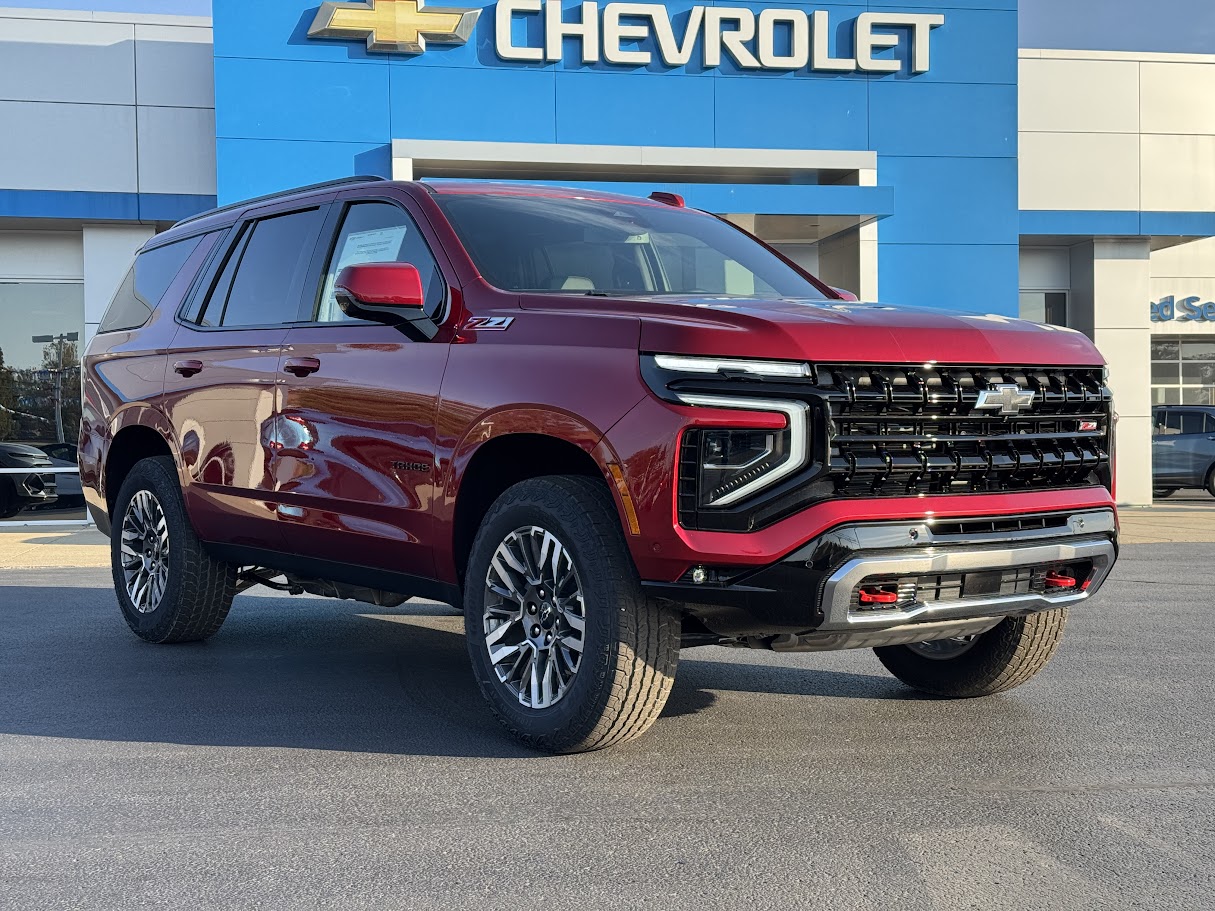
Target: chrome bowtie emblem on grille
<point>1006,398</point>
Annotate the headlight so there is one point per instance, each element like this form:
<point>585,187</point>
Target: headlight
<point>741,475</point>
<point>733,464</point>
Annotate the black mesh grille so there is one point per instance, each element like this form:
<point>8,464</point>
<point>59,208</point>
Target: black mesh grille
<point>915,429</point>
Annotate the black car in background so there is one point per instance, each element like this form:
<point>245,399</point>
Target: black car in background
<point>22,491</point>
<point>1183,448</point>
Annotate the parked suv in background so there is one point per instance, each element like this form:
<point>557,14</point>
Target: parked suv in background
<point>605,427</point>
<point>1183,449</point>
<point>24,491</point>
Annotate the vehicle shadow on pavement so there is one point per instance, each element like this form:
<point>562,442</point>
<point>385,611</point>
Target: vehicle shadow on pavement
<point>302,673</point>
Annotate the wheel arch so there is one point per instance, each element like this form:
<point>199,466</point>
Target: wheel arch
<point>136,434</point>
<point>519,450</point>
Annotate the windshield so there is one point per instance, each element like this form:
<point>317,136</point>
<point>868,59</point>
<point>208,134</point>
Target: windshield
<point>595,246</point>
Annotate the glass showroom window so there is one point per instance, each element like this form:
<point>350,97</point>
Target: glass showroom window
<point>1183,370</point>
<point>41,334</point>
<point>1044,307</point>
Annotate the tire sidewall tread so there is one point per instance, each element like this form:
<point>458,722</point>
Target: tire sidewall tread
<point>632,646</point>
<point>1004,657</point>
<point>200,589</point>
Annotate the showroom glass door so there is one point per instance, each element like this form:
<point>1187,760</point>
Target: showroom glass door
<point>41,340</point>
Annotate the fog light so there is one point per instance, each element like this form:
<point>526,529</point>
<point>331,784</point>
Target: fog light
<point>700,575</point>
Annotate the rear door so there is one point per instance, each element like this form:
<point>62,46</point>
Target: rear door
<point>355,476</point>
<point>220,389</point>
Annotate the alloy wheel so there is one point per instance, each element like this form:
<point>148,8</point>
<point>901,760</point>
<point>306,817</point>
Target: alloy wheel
<point>535,617</point>
<point>944,649</point>
<point>145,551</point>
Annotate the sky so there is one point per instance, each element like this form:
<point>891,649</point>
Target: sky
<point>1182,26</point>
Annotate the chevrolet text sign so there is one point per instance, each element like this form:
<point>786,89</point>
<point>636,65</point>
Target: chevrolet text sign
<point>771,39</point>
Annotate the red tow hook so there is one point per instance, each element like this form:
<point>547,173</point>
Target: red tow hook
<point>1058,580</point>
<point>872,594</point>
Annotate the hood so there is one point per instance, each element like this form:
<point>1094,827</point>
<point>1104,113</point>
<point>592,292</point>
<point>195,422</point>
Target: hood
<point>835,331</point>
<point>25,453</point>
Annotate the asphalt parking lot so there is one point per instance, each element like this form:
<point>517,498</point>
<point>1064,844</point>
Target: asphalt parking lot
<point>329,755</point>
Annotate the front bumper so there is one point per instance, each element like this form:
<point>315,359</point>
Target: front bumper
<point>943,572</point>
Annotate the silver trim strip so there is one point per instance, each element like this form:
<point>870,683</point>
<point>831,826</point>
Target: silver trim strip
<point>885,535</point>
<point>837,595</point>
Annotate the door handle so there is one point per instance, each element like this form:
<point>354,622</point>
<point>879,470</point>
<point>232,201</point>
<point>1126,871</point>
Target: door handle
<point>188,368</point>
<point>301,366</point>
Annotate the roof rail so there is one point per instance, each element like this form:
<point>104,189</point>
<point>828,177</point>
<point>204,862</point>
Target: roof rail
<point>341,181</point>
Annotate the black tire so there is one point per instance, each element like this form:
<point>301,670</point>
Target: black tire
<point>1000,659</point>
<point>10,504</point>
<point>1161,493</point>
<point>630,647</point>
<point>199,589</point>
<point>1210,485</point>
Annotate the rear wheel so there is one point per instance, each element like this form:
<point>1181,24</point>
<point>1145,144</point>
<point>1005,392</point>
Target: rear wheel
<point>169,588</point>
<point>564,645</point>
<point>1001,658</point>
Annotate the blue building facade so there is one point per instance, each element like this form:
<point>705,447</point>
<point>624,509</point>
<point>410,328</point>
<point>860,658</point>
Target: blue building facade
<point>938,187</point>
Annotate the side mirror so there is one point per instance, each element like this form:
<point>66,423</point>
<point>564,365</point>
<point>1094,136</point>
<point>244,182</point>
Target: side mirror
<point>846,295</point>
<point>389,293</point>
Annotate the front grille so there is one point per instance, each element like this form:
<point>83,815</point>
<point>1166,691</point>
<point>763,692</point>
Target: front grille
<point>914,429</point>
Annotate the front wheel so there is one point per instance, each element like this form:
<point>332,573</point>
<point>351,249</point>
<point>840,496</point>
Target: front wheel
<point>1160,493</point>
<point>1001,658</point>
<point>564,644</point>
<point>169,588</point>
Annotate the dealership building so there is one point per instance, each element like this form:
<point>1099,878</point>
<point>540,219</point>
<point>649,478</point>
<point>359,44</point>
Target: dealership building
<point>922,153</point>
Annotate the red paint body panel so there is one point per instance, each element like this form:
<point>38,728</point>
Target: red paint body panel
<point>353,438</point>
<point>312,464</point>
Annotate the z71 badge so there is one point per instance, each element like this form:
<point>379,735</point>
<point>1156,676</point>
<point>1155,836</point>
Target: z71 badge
<point>486,323</point>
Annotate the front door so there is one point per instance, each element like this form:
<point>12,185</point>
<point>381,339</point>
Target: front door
<point>355,471</point>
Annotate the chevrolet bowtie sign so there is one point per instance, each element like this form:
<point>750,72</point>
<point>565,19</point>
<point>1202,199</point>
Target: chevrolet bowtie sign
<point>403,26</point>
<point>771,39</point>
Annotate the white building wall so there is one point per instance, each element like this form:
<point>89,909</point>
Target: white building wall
<point>1105,130</point>
<point>106,102</point>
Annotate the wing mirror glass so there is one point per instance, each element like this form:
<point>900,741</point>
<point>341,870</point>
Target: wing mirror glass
<point>389,293</point>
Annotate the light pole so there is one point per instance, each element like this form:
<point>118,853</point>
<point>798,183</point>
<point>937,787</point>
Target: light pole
<point>58,341</point>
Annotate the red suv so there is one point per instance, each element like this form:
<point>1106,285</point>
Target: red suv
<point>608,428</point>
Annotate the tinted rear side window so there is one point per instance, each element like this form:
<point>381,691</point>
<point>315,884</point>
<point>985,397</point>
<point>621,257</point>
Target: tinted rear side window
<point>145,284</point>
<point>1191,422</point>
<point>265,274</point>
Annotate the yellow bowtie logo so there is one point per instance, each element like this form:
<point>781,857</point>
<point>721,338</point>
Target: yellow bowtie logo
<point>403,26</point>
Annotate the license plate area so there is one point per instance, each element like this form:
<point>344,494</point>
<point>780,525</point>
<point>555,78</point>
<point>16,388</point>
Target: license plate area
<point>978,585</point>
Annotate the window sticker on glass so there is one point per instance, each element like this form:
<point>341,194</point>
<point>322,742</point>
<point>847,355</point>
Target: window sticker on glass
<point>378,245</point>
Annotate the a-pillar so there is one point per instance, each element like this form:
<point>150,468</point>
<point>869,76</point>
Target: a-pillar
<point>1111,289</point>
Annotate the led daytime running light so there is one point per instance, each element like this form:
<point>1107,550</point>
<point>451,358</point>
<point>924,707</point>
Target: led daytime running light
<point>685,364</point>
